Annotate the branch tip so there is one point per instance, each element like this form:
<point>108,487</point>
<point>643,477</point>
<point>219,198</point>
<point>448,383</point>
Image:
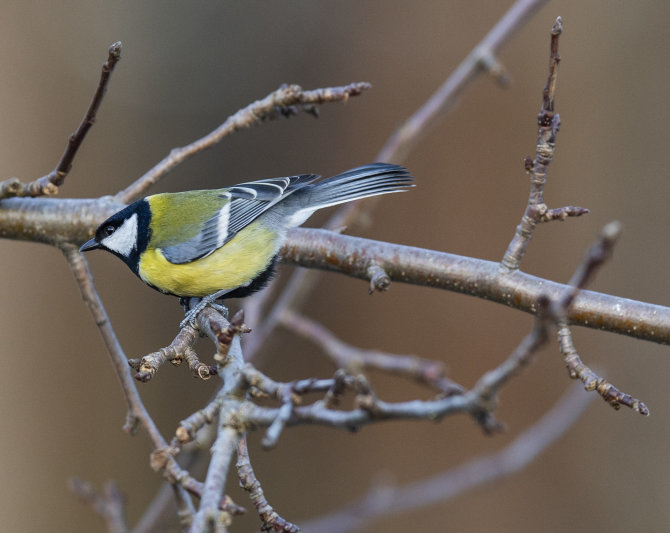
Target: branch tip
<point>115,51</point>
<point>557,28</point>
<point>612,231</point>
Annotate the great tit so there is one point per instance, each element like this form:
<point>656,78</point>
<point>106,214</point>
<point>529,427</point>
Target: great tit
<point>226,241</point>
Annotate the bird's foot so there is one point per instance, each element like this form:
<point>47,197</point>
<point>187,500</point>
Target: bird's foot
<point>197,306</point>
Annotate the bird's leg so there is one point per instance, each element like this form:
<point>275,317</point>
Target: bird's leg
<point>198,304</point>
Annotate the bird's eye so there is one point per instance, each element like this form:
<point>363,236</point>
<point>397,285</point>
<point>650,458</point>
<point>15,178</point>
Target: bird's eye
<point>108,230</point>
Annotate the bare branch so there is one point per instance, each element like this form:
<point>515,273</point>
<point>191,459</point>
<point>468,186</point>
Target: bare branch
<point>561,213</point>
<point>84,279</point>
<point>137,413</point>
<point>578,370</point>
<point>109,503</point>
<point>548,125</point>
<point>249,482</point>
<point>481,59</point>
<point>387,501</point>
<point>54,220</point>
<point>595,256</point>
<point>231,361</point>
<point>189,426</point>
<point>175,352</point>
<point>180,349</point>
<point>348,357</point>
<point>285,101</point>
<point>48,185</point>
<point>314,248</point>
<point>489,384</point>
<point>209,512</point>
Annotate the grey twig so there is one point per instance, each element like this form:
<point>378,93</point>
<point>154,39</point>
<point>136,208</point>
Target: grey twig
<point>137,412</point>
<point>108,503</point>
<point>249,482</point>
<point>548,125</point>
<point>480,60</point>
<point>346,356</point>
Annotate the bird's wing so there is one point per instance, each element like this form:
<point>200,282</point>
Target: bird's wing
<point>245,203</point>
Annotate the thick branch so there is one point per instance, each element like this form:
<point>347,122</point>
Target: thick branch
<point>54,220</point>
<point>73,220</point>
<point>324,250</point>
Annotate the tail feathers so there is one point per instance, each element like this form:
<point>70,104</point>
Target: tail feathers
<point>357,183</point>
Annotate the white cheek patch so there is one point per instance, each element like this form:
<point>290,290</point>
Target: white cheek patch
<point>124,239</point>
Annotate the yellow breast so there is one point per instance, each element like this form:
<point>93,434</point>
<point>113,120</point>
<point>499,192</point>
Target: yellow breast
<point>233,265</point>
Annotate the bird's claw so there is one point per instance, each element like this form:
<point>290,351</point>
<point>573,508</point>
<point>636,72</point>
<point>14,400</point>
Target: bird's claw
<point>192,315</point>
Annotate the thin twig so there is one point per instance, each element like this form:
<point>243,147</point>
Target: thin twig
<point>285,101</point>
<point>593,259</point>
<point>592,381</point>
<point>180,349</point>
<point>348,357</point>
<point>84,279</point>
<point>478,61</point>
<point>599,252</point>
<point>548,125</point>
<point>249,482</point>
<point>137,412</point>
<point>48,185</point>
<point>175,352</point>
<point>108,503</point>
<point>188,427</point>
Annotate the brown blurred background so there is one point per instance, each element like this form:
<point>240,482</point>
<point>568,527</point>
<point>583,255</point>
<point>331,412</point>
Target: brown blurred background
<point>185,67</point>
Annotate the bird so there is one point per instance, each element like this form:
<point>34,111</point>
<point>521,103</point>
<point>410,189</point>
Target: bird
<point>224,243</point>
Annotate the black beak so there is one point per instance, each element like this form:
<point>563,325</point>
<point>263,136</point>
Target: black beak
<point>89,245</point>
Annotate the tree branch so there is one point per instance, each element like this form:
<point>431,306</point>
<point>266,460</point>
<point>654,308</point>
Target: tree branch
<point>137,413</point>
<point>48,185</point>
<point>387,501</point>
<point>286,101</point>
<point>480,60</point>
<point>249,482</point>
<point>230,362</point>
<point>314,248</point>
